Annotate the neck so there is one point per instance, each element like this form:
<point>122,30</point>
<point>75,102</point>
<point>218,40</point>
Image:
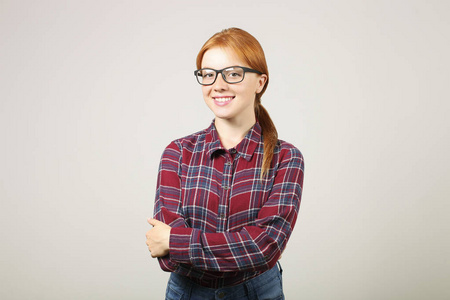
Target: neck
<point>232,132</point>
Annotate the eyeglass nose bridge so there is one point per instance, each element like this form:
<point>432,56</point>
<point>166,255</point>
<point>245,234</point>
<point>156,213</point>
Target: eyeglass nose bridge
<point>221,72</point>
<point>223,76</point>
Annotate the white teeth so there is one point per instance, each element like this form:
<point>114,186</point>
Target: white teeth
<point>223,99</point>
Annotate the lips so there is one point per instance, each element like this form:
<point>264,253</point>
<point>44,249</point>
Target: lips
<point>222,101</point>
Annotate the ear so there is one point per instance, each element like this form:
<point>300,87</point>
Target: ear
<point>261,83</point>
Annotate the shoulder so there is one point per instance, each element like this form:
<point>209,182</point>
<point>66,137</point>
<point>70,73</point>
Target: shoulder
<point>288,149</point>
<point>288,152</point>
<point>189,142</point>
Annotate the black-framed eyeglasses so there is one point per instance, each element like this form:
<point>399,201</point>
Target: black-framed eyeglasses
<point>233,74</point>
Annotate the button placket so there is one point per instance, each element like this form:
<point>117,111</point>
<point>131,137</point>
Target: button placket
<point>226,186</point>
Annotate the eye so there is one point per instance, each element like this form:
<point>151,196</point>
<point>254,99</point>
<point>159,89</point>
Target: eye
<point>207,73</point>
<point>234,73</point>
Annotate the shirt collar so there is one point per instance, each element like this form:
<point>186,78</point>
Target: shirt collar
<point>245,148</point>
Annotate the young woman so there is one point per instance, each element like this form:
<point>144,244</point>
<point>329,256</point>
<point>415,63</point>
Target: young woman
<point>227,197</point>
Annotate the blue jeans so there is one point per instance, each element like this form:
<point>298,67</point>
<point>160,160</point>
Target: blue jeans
<point>267,286</point>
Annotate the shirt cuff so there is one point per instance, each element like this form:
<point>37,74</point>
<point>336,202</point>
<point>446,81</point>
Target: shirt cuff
<point>179,244</point>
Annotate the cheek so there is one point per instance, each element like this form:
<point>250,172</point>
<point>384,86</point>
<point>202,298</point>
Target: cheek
<point>248,91</point>
<point>250,88</point>
<point>205,91</point>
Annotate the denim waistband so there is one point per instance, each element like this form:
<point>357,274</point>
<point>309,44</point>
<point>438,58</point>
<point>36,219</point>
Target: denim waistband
<point>244,289</point>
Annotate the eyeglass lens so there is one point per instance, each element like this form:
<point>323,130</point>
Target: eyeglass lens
<point>231,75</point>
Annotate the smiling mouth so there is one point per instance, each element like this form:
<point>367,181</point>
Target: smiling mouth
<point>223,99</point>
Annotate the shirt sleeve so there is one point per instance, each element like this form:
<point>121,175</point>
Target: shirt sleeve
<point>253,248</point>
<point>168,197</point>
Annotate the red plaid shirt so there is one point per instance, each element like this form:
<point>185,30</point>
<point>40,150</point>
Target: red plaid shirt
<point>228,224</point>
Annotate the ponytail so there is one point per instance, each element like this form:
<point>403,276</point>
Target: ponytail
<point>269,133</point>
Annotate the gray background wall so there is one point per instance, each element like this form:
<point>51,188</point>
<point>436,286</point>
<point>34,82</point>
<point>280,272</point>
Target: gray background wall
<point>92,91</point>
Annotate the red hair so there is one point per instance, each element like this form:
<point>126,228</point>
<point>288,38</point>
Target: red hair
<point>249,50</point>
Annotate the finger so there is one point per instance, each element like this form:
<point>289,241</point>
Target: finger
<point>152,255</point>
<point>153,222</point>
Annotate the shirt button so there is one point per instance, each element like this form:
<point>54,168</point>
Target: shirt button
<point>221,295</point>
<point>222,216</point>
<point>233,151</point>
<point>226,187</point>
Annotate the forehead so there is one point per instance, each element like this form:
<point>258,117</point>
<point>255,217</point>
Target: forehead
<point>219,58</point>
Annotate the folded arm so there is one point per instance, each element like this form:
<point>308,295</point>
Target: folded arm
<point>252,248</point>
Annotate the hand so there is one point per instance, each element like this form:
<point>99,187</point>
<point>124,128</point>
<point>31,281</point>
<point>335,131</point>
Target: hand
<point>158,238</point>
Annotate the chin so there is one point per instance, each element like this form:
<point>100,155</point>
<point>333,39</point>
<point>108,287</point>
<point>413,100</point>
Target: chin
<point>223,117</point>
<point>218,113</point>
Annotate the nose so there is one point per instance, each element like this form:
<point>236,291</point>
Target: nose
<point>220,84</point>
